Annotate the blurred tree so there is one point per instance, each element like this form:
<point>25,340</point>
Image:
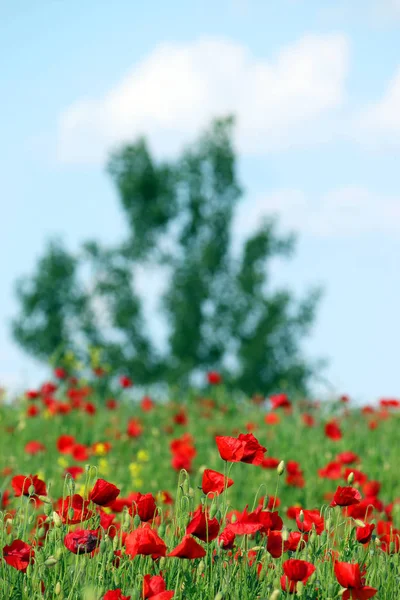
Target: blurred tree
<point>220,310</point>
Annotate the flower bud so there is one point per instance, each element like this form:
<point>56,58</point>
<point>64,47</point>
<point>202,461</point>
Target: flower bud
<point>57,519</point>
<point>218,596</point>
<point>275,595</point>
<point>301,516</point>
<point>57,589</point>
<point>350,478</point>
<point>51,561</point>
<point>136,521</point>
<point>280,469</point>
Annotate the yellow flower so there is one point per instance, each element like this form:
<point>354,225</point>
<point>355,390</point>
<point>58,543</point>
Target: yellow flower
<point>62,462</point>
<point>104,467</point>
<point>134,469</point>
<point>100,449</point>
<point>143,456</point>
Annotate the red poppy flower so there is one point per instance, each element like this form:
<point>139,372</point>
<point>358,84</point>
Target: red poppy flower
<point>270,521</point>
<point>332,470</point>
<point>28,485</point>
<point>308,420</point>
<point>346,496</point>
<point>125,382</point>
<point>296,541</point>
<point>65,443</point>
<point>244,448</point>
<point>81,541</point>
<point>111,404</point>
<point>214,483</point>
<point>74,471</point>
<point>74,510</point>
<point>34,447</point>
<point>134,428</point>
<point>347,458</point>
<point>246,523</point>
<point>279,401</point>
<point>214,378</point>
<point>143,505</point>
<point>18,555</point>
<point>202,527</point>
<point>115,595</point>
<point>80,452</point>
<point>270,463</point>
<point>295,571</point>
<point>60,373</point>
<point>349,576</point>
<point>275,544</point>
<point>147,404</point>
<point>32,394</point>
<point>371,488</point>
<point>32,411</point>
<point>154,588</point>
<point>364,534</point>
<point>188,548</point>
<point>333,431</point>
<point>227,538</point>
<point>104,493</point>
<point>145,541</point>
<point>306,519</point>
<point>272,419</point>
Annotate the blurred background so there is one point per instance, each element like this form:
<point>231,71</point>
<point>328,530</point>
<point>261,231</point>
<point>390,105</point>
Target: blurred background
<point>202,186</point>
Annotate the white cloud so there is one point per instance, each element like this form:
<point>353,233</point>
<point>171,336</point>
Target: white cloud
<point>178,88</point>
<point>379,123</point>
<point>346,211</point>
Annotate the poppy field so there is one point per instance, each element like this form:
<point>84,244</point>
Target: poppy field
<point>107,496</point>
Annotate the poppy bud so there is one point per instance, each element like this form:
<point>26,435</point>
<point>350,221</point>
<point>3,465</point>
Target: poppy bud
<point>185,487</point>
<point>162,529</point>
<point>45,499</point>
<point>213,511</point>
<point>301,516</point>
<point>265,501</point>
<point>218,596</point>
<point>299,588</point>
<point>51,561</point>
<point>201,567</point>
<point>59,552</point>
<point>359,523</point>
<point>57,519</point>
<point>31,490</point>
<point>115,543</point>
<point>136,521</point>
<point>275,595</point>
<point>350,479</point>
<point>57,589</point>
<point>280,469</point>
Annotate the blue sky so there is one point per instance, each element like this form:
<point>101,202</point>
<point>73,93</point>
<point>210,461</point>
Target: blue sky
<point>316,88</point>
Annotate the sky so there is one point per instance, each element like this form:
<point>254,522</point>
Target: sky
<point>315,87</point>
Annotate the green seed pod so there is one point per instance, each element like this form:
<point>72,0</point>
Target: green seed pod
<point>280,469</point>
<point>213,510</point>
<point>57,519</point>
<point>201,567</point>
<point>45,499</point>
<point>136,521</point>
<point>48,509</point>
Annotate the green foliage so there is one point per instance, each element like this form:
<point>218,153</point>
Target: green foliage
<point>219,308</point>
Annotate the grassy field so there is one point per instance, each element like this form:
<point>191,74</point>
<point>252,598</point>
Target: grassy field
<point>197,497</point>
